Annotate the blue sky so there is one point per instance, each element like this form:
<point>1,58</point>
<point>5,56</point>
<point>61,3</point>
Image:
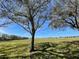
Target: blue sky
<point>43,32</point>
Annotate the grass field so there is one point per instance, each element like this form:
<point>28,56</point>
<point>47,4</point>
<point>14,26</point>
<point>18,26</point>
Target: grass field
<point>49,48</point>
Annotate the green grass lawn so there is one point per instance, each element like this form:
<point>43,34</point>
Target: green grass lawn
<point>59,48</point>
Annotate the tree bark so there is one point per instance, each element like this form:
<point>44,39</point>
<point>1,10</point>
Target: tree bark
<point>33,35</point>
<point>32,42</point>
<point>32,45</point>
<point>33,31</point>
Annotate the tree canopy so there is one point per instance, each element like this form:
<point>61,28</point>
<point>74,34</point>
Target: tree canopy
<point>66,13</point>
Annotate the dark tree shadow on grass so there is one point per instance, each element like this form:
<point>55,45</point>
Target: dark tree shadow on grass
<point>65,50</point>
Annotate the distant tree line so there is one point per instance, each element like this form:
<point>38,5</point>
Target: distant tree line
<point>68,37</point>
<point>6,37</point>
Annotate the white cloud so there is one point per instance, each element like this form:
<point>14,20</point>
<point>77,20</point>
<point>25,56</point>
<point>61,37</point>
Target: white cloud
<point>2,31</point>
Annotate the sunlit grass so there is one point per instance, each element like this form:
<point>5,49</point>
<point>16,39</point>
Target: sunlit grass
<point>22,47</point>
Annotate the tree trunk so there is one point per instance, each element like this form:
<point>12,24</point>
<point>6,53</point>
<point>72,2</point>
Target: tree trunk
<point>32,42</point>
<point>32,45</point>
<point>33,31</point>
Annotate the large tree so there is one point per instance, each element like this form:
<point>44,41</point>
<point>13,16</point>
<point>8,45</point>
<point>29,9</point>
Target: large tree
<point>66,13</point>
<point>29,14</point>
